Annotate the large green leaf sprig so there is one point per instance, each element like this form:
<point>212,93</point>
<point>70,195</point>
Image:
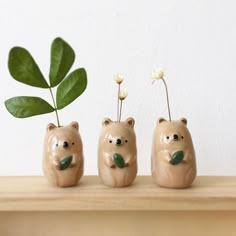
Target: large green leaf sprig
<point>24,69</point>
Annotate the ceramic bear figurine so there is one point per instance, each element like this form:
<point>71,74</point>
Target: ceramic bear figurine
<point>173,156</point>
<point>117,153</point>
<point>63,155</point>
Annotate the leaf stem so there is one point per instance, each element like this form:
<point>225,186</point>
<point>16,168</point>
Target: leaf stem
<point>167,98</point>
<point>55,107</point>
<point>118,103</point>
<point>120,110</point>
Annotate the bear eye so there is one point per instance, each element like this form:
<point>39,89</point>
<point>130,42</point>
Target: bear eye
<point>73,143</point>
<point>182,137</point>
<point>110,141</point>
<point>126,141</point>
<point>167,137</point>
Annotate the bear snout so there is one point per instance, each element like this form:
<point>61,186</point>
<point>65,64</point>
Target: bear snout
<point>118,141</point>
<point>65,145</point>
<point>175,137</point>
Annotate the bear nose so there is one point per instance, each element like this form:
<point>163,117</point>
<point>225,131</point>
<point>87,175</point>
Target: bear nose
<point>65,145</point>
<point>118,141</point>
<point>176,137</point>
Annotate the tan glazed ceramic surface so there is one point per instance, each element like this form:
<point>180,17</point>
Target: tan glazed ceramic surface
<point>170,137</point>
<point>117,137</point>
<point>59,143</point>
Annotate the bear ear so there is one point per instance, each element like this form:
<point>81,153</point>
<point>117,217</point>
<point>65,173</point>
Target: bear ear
<point>51,126</point>
<point>184,120</point>
<point>130,121</point>
<point>75,125</point>
<point>160,120</point>
<point>106,121</point>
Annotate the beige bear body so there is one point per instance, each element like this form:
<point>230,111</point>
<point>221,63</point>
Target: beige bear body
<point>117,137</point>
<point>171,137</point>
<point>59,143</point>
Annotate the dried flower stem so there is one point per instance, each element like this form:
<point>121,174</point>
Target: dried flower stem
<point>167,98</point>
<point>120,110</point>
<point>118,103</point>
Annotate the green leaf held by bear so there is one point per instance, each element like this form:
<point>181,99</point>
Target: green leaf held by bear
<point>177,157</point>
<point>118,160</point>
<point>65,163</point>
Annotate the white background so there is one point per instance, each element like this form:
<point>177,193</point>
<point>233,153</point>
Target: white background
<point>194,41</point>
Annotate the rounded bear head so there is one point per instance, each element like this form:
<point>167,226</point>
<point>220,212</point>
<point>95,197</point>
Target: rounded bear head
<point>115,136</point>
<point>63,141</point>
<point>172,134</point>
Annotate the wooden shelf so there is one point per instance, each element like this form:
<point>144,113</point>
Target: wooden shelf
<point>29,206</point>
<point>34,194</point>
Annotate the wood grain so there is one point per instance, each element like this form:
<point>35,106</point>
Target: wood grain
<point>115,223</point>
<point>35,194</point>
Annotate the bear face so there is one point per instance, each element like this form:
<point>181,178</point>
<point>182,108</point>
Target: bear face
<point>63,155</point>
<point>62,142</point>
<point>173,155</point>
<point>117,153</point>
<point>118,136</point>
<point>172,135</point>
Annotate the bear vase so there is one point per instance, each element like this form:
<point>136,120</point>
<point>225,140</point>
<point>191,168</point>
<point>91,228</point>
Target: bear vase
<point>117,153</point>
<point>173,156</point>
<point>63,155</point>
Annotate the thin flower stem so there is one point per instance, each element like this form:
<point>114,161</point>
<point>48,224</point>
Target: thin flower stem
<point>167,98</point>
<point>54,103</point>
<point>120,110</point>
<point>118,103</point>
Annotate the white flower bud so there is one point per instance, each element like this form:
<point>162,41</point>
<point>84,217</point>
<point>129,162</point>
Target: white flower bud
<point>119,78</point>
<point>122,95</point>
<point>158,74</point>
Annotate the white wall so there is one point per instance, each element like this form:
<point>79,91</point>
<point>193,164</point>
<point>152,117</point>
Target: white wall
<point>194,41</point>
